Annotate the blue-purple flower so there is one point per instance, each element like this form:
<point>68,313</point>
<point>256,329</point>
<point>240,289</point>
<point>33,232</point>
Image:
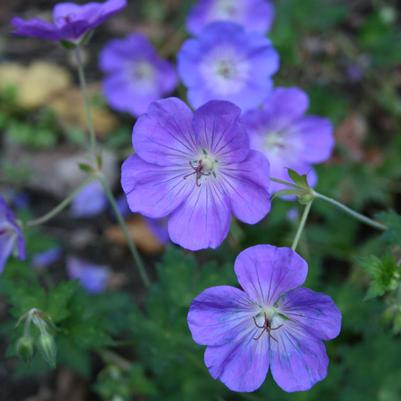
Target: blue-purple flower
<point>227,63</point>
<point>41,260</point>
<point>90,201</point>
<point>135,74</point>
<point>197,170</point>
<point>253,15</point>
<point>11,237</point>
<point>70,21</point>
<point>94,278</point>
<point>159,228</point>
<point>287,137</point>
<point>272,324</point>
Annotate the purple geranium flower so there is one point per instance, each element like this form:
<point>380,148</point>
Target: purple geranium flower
<point>136,75</point>
<point>90,201</point>
<point>272,324</point>
<point>253,15</point>
<point>288,138</point>
<point>70,21</point>
<point>197,169</point>
<point>93,278</point>
<point>11,237</point>
<point>41,260</point>
<point>227,63</point>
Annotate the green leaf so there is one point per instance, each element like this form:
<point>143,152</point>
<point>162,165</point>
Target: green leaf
<point>300,180</point>
<point>59,299</point>
<point>384,274</point>
<point>392,220</point>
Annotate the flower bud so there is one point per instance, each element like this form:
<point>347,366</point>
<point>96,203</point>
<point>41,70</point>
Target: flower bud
<point>305,199</point>
<point>48,348</point>
<point>25,348</point>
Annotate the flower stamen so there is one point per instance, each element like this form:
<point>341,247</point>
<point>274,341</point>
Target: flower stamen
<point>266,327</point>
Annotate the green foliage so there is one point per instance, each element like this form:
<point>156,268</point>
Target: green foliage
<point>392,220</point>
<point>384,275</point>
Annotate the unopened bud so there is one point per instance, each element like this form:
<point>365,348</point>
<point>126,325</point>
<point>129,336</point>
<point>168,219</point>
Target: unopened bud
<point>25,348</point>
<point>48,348</point>
<point>305,199</point>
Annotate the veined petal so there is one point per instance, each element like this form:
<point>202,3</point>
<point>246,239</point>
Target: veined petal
<point>315,312</point>
<point>203,220</point>
<point>247,185</point>
<point>164,134</point>
<point>297,361</point>
<point>265,272</point>
<point>153,190</point>
<point>242,365</point>
<point>219,314</point>
<point>218,129</point>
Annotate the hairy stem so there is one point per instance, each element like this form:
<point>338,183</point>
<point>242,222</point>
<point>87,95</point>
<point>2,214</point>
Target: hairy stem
<point>353,213</point>
<point>358,216</point>
<point>301,226</point>
<point>87,108</point>
<point>106,186</point>
<point>124,228</point>
<point>60,207</point>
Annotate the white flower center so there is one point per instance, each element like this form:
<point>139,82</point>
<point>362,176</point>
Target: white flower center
<point>203,166</point>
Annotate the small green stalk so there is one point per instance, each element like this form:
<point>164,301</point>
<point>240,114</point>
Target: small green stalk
<point>316,195</point>
<point>93,149</point>
<point>301,226</point>
<point>60,207</point>
<point>84,91</point>
<point>123,225</point>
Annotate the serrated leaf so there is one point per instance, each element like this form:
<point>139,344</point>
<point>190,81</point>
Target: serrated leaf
<point>59,299</point>
<point>384,274</point>
<point>392,220</point>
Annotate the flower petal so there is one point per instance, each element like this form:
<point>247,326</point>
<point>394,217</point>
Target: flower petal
<point>316,136</point>
<point>35,28</point>
<point>297,361</point>
<point>218,129</point>
<point>315,312</point>
<point>265,272</point>
<point>242,365</point>
<point>7,243</point>
<point>219,314</point>
<point>247,185</point>
<point>152,190</point>
<point>203,220</point>
<point>164,134</point>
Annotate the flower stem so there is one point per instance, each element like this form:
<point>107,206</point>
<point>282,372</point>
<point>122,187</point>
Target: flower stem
<point>60,207</point>
<point>339,205</point>
<point>123,225</point>
<point>301,226</point>
<point>353,213</point>
<point>87,108</point>
<point>102,179</point>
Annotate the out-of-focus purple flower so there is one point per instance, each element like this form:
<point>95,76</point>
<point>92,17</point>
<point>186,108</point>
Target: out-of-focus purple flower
<point>122,205</point>
<point>70,21</point>
<point>11,237</point>
<point>273,323</point>
<point>44,259</point>
<point>287,137</point>
<point>135,74</point>
<point>293,214</point>
<point>90,202</point>
<point>159,228</point>
<point>93,278</point>
<point>253,15</point>
<point>227,63</point>
<point>197,170</point>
